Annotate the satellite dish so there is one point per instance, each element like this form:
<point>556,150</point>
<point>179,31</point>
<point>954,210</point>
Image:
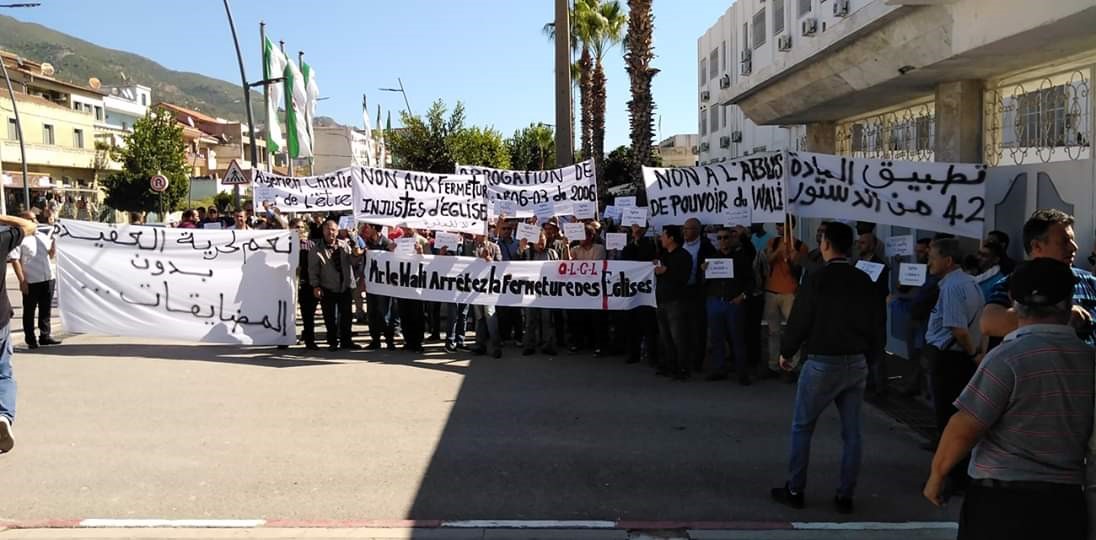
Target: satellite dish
<point>47,69</point>
<point>95,83</point>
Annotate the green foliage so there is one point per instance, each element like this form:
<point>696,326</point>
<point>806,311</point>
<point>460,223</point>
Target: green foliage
<point>436,143</point>
<point>532,148</point>
<point>155,147</point>
<point>621,162</point>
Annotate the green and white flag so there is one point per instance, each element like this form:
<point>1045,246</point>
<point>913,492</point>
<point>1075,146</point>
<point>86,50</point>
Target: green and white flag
<point>313,92</point>
<point>296,105</point>
<point>274,62</point>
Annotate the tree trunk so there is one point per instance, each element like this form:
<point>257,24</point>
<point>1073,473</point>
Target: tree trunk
<point>598,135</point>
<point>585,90</point>
<point>637,57</point>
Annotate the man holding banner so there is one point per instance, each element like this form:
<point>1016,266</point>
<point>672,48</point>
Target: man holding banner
<point>18,228</point>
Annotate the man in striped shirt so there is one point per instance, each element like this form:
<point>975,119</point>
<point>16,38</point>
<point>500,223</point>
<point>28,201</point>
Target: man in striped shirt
<point>1027,412</point>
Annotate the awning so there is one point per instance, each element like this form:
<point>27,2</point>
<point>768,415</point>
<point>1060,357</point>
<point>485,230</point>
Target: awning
<point>14,180</point>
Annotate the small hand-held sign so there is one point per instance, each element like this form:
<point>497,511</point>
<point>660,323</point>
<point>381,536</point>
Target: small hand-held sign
<point>158,183</point>
<point>235,176</point>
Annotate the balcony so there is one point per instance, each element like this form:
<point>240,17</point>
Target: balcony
<point>49,154</point>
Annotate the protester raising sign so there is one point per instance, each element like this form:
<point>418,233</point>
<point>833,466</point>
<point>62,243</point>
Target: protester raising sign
<point>441,202</point>
<point>324,193</point>
<point>708,192</point>
<point>612,285</point>
<point>574,183</point>
<point>943,197</point>
<point>233,286</point>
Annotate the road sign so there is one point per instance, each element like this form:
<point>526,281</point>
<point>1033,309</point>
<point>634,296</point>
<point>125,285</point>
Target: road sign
<point>235,176</point>
<point>158,183</point>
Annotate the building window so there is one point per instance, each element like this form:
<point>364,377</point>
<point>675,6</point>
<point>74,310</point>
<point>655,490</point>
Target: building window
<point>759,28</point>
<point>724,116</point>
<point>47,134</point>
<point>1039,120</point>
<point>724,59</point>
<point>703,122</point>
<point>98,113</point>
<point>714,61</point>
<point>13,129</point>
<point>804,7</point>
<point>78,138</point>
<point>144,99</point>
<point>715,118</point>
<point>778,17</point>
<point>745,36</point>
<point>703,71</point>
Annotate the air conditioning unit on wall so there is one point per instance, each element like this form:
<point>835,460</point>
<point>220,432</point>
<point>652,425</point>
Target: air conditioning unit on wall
<point>784,42</point>
<point>705,95</point>
<point>724,142</point>
<point>703,147</point>
<point>810,26</point>
<point>840,8</point>
<point>725,81</point>
<point>736,136</point>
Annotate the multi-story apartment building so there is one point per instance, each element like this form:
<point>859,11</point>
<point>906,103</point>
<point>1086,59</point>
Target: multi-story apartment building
<point>679,150</point>
<point>338,147</point>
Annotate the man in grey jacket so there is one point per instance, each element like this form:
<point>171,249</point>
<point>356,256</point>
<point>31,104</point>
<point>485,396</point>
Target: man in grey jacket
<point>331,274</point>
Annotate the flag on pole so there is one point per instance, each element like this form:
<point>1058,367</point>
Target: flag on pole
<point>313,93</point>
<point>296,103</point>
<point>274,62</point>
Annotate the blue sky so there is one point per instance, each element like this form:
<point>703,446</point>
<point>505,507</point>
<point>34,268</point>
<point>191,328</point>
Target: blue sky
<point>489,54</point>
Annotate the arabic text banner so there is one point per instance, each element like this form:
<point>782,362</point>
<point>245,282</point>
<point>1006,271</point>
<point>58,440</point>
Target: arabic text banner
<point>197,285</point>
<point>323,193</point>
<point>571,184</point>
<point>612,285</point>
<point>440,202</point>
<point>943,197</point>
<point>710,192</point>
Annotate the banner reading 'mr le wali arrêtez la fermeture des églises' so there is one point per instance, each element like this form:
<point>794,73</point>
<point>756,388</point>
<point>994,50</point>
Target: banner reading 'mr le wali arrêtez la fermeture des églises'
<point>611,285</point>
<point>943,197</point>
<point>526,189</point>
<point>328,192</point>
<point>439,202</point>
<point>197,285</point>
<point>710,192</point>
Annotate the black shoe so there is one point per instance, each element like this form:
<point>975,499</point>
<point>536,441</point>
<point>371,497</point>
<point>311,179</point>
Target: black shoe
<point>717,376</point>
<point>843,505</point>
<point>391,346</point>
<point>434,338</point>
<point>332,348</point>
<point>311,346</point>
<point>282,347</point>
<point>32,345</point>
<point>550,351</point>
<point>374,345</point>
<point>528,352</point>
<point>784,496</point>
<point>359,318</point>
<point>46,340</point>
<point>450,348</point>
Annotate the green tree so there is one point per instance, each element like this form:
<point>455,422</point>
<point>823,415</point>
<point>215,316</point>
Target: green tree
<point>479,146</point>
<point>532,148</point>
<point>154,147</point>
<point>620,167</point>
<point>608,21</point>
<point>437,142</point>
<point>639,51</point>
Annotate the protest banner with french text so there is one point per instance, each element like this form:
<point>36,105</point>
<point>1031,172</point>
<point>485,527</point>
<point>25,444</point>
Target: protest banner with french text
<point>574,183</point>
<point>604,285</point>
<point>210,286</point>
<point>322,193</point>
<point>709,192</point>
<point>440,202</point>
<point>942,197</point>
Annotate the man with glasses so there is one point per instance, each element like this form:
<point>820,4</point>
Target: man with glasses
<point>699,249</point>
<point>727,304</point>
<point>305,297</point>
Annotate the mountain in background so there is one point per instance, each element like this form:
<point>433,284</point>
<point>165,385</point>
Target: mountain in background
<point>76,61</point>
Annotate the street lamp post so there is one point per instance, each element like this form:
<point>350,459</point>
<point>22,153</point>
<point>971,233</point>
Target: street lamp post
<point>18,122</point>
<point>402,91</point>
<point>247,103</point>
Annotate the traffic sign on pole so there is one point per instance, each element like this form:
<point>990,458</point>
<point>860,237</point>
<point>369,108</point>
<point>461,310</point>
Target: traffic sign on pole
<point>158,183</point>
<point>235,176</point>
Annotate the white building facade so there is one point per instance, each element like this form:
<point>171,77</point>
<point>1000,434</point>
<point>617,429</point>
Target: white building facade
<point>337,147</point>
<point>679,150</point>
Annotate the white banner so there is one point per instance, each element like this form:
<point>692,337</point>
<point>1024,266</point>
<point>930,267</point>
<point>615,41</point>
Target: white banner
<point>323,193</point>
<point>942,197</point>
<point>574,183</point>
<point>440,202</point>
<point>709,192</point>
<point>188,284</point>
<point>613,285</point>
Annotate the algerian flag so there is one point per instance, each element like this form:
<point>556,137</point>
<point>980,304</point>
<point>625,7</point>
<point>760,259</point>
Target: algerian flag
<point>274,62</point>
<point>368,134</point>
<point>312,91</point>
<point>296,106</point>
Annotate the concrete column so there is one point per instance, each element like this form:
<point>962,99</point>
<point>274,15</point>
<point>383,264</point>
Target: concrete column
<point>959,121</point>
<point>822,137</point>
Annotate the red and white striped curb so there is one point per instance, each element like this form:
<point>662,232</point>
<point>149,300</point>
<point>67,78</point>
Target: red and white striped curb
<point>95,523</point>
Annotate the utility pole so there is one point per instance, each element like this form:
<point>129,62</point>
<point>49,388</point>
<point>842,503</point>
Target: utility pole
<point>564,130</point>
<point>19,133</point>
<point>247,101</point>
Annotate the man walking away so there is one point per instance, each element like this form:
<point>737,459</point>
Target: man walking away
<point>835,315</point>
<point>672,270</point>
<point>330,271</point>
<point>33,265</point>
<point>18,229</point>
<point>1027,413</point>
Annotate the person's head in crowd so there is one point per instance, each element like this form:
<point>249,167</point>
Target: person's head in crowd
<point>821,230</point>
<point>970,265</point>
<point>135,218</point>
<point>318,218</point>
<point>1042,291</point>
<point>945,255</point>
<point>836,241</point>
<point>212,214</point>
<point>551,230</point>
<point>921,250</point>
<point>638,231</point>
<point>757,229</point>
<point>299,225</point>
<point>998,237</point>
<point>780,226</point>
<point>691,230</point>
<point>370,232</point>
<point>542,241</point>
<point>865,227</point>
<point>330,231</point>
<point>506,229</point>
<point>240,219</point>
<point>47,217</point>
<point>990,255</point>
<point>725,239</point>
<point>866,245</point>
<point>588,240</point>
<point>343,234</point>
<point>1049,233</point>
<point>189,216</point>
<point>671,237</point>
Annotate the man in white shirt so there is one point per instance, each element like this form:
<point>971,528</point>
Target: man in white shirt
<point>33,265</point>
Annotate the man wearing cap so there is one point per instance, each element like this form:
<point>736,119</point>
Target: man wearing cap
<point>1027,413</point>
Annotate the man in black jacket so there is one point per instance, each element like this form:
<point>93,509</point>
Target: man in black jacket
<point>835,315</point>
<point>727,303</point>
<point>641,319</point>
<point>672,271</point>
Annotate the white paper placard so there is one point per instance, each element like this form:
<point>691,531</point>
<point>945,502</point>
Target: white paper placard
<point>719,269</point>
<point>634,216</point>
<point>739,215</point>
<point>873,270</point>
<point>584,209</point>
<point>448,240</point>
<point>405,247</point>
<point>213,225</point>
<point>528,231</point>
<point>900,246</point>
<point>574,231</point>
<point>564,208</point>
<point>612,212</point>
<point>572,183</point>
<point>615,240</point>
<point>506,208</point>
<point>346,222</point>
<point>912,274</point>
<point>625,202</point>
<point>544,211</point>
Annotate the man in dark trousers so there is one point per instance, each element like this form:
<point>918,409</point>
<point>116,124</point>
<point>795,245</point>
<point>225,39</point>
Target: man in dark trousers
<point>727,304</point>
<point>10,237</point>
<point>305,296</point>
<point>672,270</point>
<point>33,265</point>
<point>331,274</point>
<point>642,320</point>
<point>834,314</point>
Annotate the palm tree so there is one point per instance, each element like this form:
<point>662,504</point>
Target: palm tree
<point>609,21</point>
<point>583,27</point>
<point>543,138</point>
<point>637,57</point>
